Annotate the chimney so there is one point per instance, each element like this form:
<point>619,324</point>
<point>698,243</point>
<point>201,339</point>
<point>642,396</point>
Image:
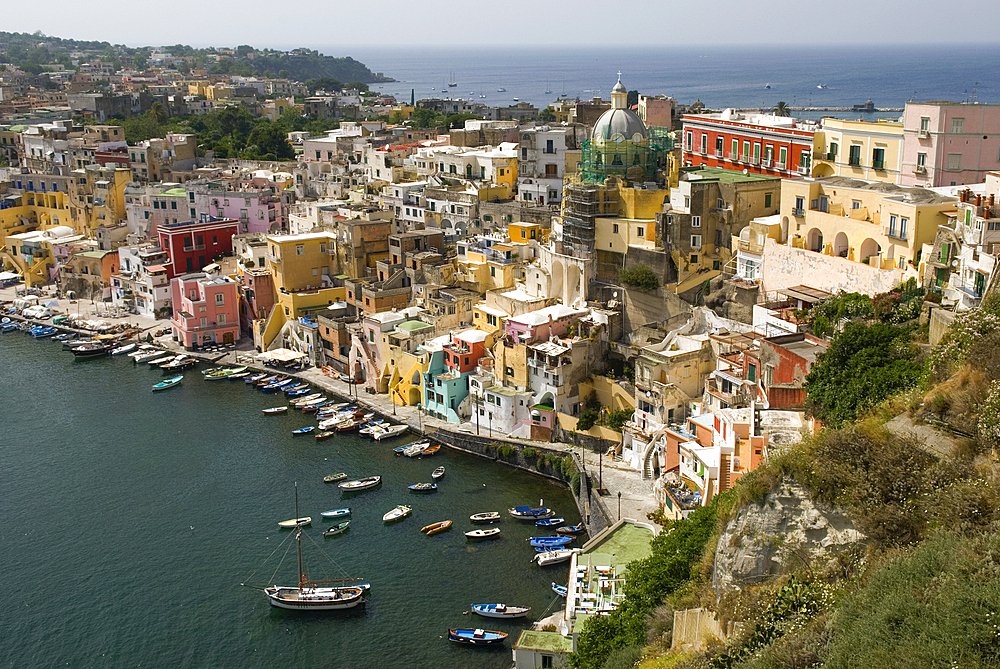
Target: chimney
<point>979,200</point>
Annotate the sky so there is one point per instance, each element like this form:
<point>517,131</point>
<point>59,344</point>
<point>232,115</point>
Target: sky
<point>325,25</point>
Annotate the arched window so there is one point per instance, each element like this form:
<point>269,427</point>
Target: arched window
<point>617,160</point>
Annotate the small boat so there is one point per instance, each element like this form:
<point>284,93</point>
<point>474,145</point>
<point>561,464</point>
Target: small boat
<point>423,487</point>
<point>8,327</point>
<point>254,378</point>
<point>528,513</point>
<point>122,350</point>
<point>337,529</point>
<point>360,484</point>
<point>546,558</point>
<point>305,398</point>
<point>414,450</point>
<point>349,425</point>
<point>274,410</point>
<point>486,517</point>
<point>145,357</point>
<point>180,362</point>
<point>560,590</point>
<point>549,522</point>
<point>436,528</point>
<point>570,530</point>
<point>431,450</point>
<point>296,522</point>
<point>767,87</point>
<point>333,478</point>
<point>388,431</point>
<point>821,86</point>
<point>160,359</point>
<point>297,386</point>
<point>549,542</point>
<point>309,401</point>
<point>398,513</point>
<point>237,375</point>
<point>476,637</point>
<point>276,386</point>
<point>437,474</point>
<point>62,337</point>
<point>337,513</point>
<point>487,533</point>
<point>325,434</point>
<point>90,350</point>
<point>500,610</point>
<point>168,383</point>
<point>299,392</point>
<point>312,408</point>
<point>261,382</point>
<point>371,426</point>
<point>42,332</point>
<point>304,430</point>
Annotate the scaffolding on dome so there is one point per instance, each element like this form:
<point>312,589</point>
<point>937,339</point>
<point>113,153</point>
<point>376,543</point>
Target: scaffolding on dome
<point>634,162</point>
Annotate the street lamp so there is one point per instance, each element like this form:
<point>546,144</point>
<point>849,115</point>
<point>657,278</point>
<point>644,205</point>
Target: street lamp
<point>477,399</point>
<point>490,427</point>
<point>619,505</point>
<point>420,428</point>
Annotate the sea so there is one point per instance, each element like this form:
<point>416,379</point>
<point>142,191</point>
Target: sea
<point>130,519</point>
<point>718,76</point>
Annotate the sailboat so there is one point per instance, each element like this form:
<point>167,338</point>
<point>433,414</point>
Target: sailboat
<point>313,595</point>
<point>452,83</point>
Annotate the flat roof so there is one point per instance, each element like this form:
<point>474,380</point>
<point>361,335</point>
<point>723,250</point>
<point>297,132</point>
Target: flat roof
<point>705,173</point>
<point>548,642</point>
<point>804,293</point>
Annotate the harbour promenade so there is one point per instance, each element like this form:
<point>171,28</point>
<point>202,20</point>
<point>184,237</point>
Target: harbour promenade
<point>605,473</point>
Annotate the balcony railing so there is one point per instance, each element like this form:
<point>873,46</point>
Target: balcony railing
<point>831,156</point>
<point>196,247</point>
<point>798,211</point>
<point>896,234</point>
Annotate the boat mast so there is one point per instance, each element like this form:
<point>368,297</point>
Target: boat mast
<point>298,537</point>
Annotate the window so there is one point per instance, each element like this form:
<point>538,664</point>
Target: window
<point>903,223</point>
<point>832,153</point>
<point>878,159</point>
<point>736,149</point>
<point>704,143</point>
<point>173,204</point>
<point>300,249</point>
<point>855,204</point>
<point>756,153</point>
<point>547,661</point>
<point>892,225</point>
<point>954,161</point>
<point>922,160</point>
<point>767,200</point>
<point>689,140</point>
<point>695,241</point>
<point>696,221</point>
<point>782,156</point>
<point>925,124</point>
<point>687,202</point>
<point>220,299</point>
<point>221,318</point>
<point>614,228</point>
<point>640,231</point>
<point>746,152</point>
<point>958,125</point>
<point>694,258</point>
<point>805,160</point>
<point>855,155</point>
<point>371,336</point>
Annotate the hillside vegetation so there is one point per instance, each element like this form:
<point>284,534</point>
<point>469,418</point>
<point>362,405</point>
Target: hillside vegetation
<point>922,589</point>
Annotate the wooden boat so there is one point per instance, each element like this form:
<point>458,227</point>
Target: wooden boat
<point>237,375</point>
<point>163,359</point>
<point>296,522</point>
<point>437,528</point>
<point>276,386</point>
<point>549,522</point>
<point>313,408</point>
<point>325,434</point>
<point>570,530</point>
<point>360,484</point>
<point>389,431</point>
<point>500,610</point>
<point>398,513</point>
<point>485,517</point>
<point>314,595</point>
<point>122,350</point>
<point>274,410</point>
<point>90,350</point>
<point>560,590</point>
<point>547,543</point>
<point>423,487</point>
<point>349,425</point>
<point>304,430</point>
<point>179,363</point>
<point>337,513</point>
<point>62,337</point>
<point>546,558</point>
<point>168,383</point>
<point>431,450</point>
<point>437,474</point>
<point>298,401</point>
<point>486,533</point>
<point>476,637</point>
<point>337,529</point>
<point>298,392</point>
<point>268,380</point>
<point>529,513</point>
<point>333,478</point>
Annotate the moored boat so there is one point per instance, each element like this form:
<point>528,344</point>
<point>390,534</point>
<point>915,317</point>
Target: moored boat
<point>333,478</point>
<point>431,450</point>
<point>337,529</point>
<point>414,450</point>
<point>570,530</point>
<point>437,528</point>
<point>560,590</point>
<point>325,434</point>
<point>337,513</point>
<point>423,487</point>
<point>349,425</point>
<point>437,474</point>
<point>168,383</point>
<point>484,533</point>
<point>485,517</point>
<point>549,522</point>
<point>529,513</point>
<point>122,350</point>
<point>304,430</point>
<point>296,522</point>
<point>90,350</point>
<point>360,484</point>
<point>546,558</point>
<point>388,432</point>
<point>398,513</point>
<point>547,543</point>
<point>274,410</point>
<point>500,610</point>
<point>476,637</point>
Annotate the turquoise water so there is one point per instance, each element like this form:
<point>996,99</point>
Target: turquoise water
<point>130,518</point>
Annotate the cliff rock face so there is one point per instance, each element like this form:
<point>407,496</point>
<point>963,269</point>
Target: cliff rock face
<point>770,538</point>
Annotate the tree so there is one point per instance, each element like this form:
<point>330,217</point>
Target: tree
<point>547,115</point>
<point>863,366</point>
<point>781,109</point>
<point>632,99</point>
<point>640,276</point>
<point>283,74</point>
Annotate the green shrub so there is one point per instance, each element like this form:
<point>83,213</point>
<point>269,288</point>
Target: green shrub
<point>506,450</point>
<point>588,417</point>
<point>640,277</point>
<point>574,482</point>
<point>528,452</point>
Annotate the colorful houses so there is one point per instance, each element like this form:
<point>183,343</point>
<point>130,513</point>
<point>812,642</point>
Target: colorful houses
<point>205,310</point>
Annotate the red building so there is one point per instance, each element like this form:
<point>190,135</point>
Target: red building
<point>462,354</point>
<point>193,245</point>
<point>781,365</point>
<point>758,143</point>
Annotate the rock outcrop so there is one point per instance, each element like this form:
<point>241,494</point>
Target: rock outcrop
<point>786,530</point>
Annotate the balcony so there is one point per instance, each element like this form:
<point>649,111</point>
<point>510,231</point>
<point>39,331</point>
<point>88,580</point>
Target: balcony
<point>803,170</point>
<point>854,162</point>
<point>923,133</point>
<point>718,154</point>
<point>920,169</point>
<point>735,157</point>
<point>767,162</point>
<point>780,165</point>
<point>831,156</point>
<point>896,234</point>
<point>196,247</point>
<point>798,211</point>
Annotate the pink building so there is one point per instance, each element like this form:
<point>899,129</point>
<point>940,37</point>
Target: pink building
<point>949,143</point>
<point>206,310</point>
<point>539,325</point>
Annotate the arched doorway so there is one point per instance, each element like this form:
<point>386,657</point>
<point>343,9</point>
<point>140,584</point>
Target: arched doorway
<point>840,245</point>
<point>556,287</point>
<point>572,284</point>
<point>869,250</point>
<point>814,240</point>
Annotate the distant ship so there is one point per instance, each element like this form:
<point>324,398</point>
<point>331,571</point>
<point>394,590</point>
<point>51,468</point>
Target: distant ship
<point>821,86</point>
<point>767,86</point>
<point>452,83</point>
<point>501,90</point>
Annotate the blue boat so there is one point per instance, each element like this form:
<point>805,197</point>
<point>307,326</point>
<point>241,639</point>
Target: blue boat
<point>8,327</point>
<point>275,387</point>
<point>43,331</point>
<point>423,487</point>
<point>337,513</point>
<point>399,449</point>
<point>304,430</point>
<point>528,513</point>
<point>549,522</point>
<point>298,386</point>
<point>168,383</point>
<point>560,590</point>
<point>476,637</point>
<point>550,542</point>
<point>570,530</point>
<point>298,392</point>
<point>254,378</point>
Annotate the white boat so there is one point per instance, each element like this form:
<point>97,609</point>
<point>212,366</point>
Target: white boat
<point>438,474</point>
<point>122,350</point>
<point>487,533</point>
<point>414,450</point>
<point>360,484</point>
<point>485,517</point>
<point>314,595</point>
<point>388,431</point>
<point>500,610</point>
<point>546,558</point>
<point>146,357</point>
<point>398,513</point>
<point>296,522</point>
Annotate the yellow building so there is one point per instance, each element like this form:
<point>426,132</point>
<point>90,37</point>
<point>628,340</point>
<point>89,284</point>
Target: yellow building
<point>635,224</point>
<point>859,149</point>
<point>488,268</point>
<point>302,267</point>
<point>43,203</point>
<point>98,196</point>
<point>879,224</point>
<point>523,233</point>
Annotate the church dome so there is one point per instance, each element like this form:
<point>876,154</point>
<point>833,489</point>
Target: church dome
<point>617,125</point>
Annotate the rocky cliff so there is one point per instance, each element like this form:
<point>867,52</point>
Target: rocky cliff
<point>786,530</point>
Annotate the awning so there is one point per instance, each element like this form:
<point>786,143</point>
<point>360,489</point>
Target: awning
<point>728,377</point>
<point>281,355</point>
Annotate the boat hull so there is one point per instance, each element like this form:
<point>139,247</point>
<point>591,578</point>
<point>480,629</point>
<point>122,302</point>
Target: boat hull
<point>500,610</point>
<point>476,637</point>
<point>314,599</point>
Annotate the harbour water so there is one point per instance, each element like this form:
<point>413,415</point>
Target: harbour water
<point>130,519</point>
<point>718,74</point>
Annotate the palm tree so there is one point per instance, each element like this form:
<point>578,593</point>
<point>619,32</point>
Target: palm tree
<point>781,109</point>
